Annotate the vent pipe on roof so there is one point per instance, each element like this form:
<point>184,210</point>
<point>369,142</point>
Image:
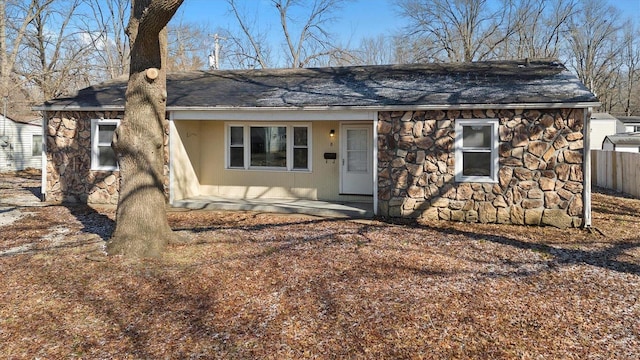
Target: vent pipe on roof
<point>214,59</point>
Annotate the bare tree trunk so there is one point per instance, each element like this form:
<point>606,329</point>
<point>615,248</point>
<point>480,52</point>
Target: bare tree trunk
<point>142,229</point>
<point>49,60</point>
<point>595,46</point>
<point>106,27</point>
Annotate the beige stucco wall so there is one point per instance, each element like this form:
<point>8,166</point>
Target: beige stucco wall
<point>199,157</point>
<point>185,159</point>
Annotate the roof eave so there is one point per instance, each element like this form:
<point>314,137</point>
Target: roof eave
<point>571,105</point>
<point>559,105</point>
<point>76,108</point>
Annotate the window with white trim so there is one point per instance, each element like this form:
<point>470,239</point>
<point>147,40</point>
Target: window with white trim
<point>301,151</point>
<point>268,147</point>
<point>476,150</point>
<point>102,155</point>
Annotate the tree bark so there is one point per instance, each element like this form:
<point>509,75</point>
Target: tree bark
<point>142,229</point>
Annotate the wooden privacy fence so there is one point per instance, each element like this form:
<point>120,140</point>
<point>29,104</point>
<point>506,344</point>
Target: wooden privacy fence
<point>616,170</point>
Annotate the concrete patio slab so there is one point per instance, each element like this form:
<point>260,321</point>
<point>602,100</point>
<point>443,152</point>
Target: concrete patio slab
<point>287,206</point>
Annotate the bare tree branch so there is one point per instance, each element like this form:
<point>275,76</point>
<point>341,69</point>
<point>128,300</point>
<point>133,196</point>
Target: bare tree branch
<point>253,40</point>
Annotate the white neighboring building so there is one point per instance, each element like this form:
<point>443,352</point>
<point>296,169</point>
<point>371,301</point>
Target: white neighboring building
<point>20,144</point>
<point>625,142</point>
<point>628,124</point>
<point>602,125</point>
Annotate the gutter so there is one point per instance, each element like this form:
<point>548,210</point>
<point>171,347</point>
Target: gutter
<point>404,107</point>
<point>76,108</point>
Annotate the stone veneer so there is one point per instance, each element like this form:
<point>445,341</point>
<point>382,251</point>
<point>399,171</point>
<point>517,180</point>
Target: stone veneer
<point>540,174</point>
<point>69,175</point>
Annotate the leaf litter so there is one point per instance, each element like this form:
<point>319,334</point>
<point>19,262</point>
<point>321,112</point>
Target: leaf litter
<point>273,286</point>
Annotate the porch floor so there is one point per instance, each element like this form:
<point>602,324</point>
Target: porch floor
<point>287,206</point>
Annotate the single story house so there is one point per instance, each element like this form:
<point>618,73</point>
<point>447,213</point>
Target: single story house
<point>20,144</point>
<point>623,142</point>
<point>490,142</point>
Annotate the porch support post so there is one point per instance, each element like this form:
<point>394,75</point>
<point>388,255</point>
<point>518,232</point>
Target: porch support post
<point>172,132</point>
<point>43,156</point>
<point>586,186</point>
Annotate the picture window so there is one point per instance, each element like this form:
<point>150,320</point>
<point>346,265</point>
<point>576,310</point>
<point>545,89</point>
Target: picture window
<point>269,147</point>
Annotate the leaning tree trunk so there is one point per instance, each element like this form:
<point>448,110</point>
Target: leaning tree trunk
<point>142,229</point>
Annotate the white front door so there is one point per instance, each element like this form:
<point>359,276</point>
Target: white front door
<point>356,147</point>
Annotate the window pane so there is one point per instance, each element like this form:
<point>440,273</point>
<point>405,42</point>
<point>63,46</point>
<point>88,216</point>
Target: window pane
<point>476,164</point>
<point>357,140</point>
<point>105,133</point>
<point>106,156</point>
<point>299,136</point>
<point>36,149</point>
<point>477,136</point>
<point>236,157</point>
<point>269,146</point>
<point>237,136</point>
<point>357,161</point>
<point>301,158</point>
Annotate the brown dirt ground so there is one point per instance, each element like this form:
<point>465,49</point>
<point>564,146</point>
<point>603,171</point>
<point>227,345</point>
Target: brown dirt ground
<point>257,285</point>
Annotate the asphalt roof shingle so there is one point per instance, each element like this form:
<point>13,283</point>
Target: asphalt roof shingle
<point>434,84</point>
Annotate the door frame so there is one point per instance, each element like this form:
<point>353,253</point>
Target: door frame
<point>371,156</point>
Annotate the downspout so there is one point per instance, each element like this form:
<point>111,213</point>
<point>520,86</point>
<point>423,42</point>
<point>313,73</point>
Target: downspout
<point>586,178</point>
<point>43,185</point>
<point>375,162</point>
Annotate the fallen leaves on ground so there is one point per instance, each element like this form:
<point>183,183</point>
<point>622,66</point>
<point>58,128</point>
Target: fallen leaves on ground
<point>270,286</point>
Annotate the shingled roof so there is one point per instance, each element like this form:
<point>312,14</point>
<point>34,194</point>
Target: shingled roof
<point>496,83</point>
<point>624,139</point>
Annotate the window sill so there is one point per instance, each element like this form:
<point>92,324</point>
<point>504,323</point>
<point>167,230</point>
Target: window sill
<point>104,169</point>
<point>253,169</point>
<point>476,179</point>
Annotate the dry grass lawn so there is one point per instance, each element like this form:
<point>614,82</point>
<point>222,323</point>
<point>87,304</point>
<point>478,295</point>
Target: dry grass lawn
<point>255,285</point>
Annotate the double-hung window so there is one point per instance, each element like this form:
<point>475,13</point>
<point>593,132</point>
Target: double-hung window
<point>476,150</point>
<point>301,151</point>
<point>268,147</point>
<point>102,155</point>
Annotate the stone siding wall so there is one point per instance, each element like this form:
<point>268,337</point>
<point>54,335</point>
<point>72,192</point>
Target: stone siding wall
<point>540,174</point>
<point>69,175</point>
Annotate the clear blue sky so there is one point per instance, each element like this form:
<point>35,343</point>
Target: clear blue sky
<point>358,18</point>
